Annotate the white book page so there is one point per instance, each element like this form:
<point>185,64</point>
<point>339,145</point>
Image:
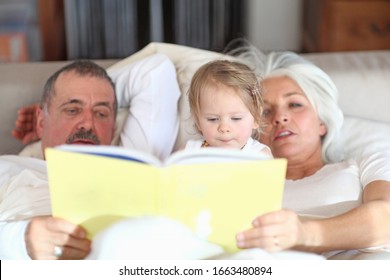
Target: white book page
<point>113,151</point>
<point>196,156</point>
<point>209,155</point>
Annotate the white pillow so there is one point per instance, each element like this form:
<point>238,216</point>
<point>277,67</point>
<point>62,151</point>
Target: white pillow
<point>363,136</point>
<point>363,81</point>
<point>150,238</point>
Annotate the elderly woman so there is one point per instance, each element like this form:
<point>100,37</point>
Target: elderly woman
<point>330,206</point>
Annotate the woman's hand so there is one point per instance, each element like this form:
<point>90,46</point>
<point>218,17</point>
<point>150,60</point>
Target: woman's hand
<point>53,238</point>
<point>274,231</point>
<point>25,125</point>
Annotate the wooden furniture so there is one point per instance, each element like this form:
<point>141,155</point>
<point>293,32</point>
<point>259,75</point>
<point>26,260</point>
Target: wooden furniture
<point>52,26</point>
<point>346,25</point>
<point>13,47</point>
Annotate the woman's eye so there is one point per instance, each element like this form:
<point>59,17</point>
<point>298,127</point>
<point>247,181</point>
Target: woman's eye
<point>295,105</point>
<point>266,112</point>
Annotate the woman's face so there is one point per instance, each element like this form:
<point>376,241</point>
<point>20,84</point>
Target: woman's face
<point>293,130</point>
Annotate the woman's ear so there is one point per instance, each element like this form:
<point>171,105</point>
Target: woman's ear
<point>323,129</point>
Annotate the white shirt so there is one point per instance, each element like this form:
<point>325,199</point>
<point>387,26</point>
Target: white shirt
<point>336,188</point>
<point>151,89</point>
<point>251,146</point>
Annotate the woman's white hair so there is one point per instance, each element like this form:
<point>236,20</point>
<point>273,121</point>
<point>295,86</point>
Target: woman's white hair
<point>314,82</point>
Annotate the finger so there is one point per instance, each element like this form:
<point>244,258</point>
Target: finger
<point>250,238</point>
<point>30,137</point>
<point>24,125</point>
<point>29,109</point>
<point>66,239</point>
<point>17,134</point>
<point>253,235</point>
<point>68,247</point>
<point>268,243</point>
<point>71,238</point>
<point>25,137</point>
<point>76,253</point>
<point>25,116</point>
<point>63,226</point>
<point>275,217</point>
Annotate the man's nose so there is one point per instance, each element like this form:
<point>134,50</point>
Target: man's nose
<point>86,121</point>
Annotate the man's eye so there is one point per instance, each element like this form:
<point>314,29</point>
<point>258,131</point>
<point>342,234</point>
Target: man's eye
<point>101,114</point>
<point>71,111</point>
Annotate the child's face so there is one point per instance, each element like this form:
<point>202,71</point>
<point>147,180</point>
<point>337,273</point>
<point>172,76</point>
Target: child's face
<point>224,120</point>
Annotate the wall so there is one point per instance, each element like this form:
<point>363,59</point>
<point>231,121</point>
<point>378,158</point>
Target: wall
<point>275,25</point>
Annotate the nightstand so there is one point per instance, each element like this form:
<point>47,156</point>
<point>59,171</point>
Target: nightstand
<point>346,25</point>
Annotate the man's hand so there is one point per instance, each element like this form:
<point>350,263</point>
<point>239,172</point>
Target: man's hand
<point>53,238</point>
<point>25,125</point>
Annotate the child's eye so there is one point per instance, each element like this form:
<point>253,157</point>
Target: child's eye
<point>236,118</point>
<point>212,119</point>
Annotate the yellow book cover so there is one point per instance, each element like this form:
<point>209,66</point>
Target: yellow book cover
<point>215,192</point>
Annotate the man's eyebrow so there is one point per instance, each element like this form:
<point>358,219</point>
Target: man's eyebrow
<point>71,101</point>
<point>79,102</point>
<point>103,103</point>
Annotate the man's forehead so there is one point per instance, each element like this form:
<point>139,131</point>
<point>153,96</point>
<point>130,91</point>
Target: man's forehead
<point>81,102</point>
<point>72,81</point>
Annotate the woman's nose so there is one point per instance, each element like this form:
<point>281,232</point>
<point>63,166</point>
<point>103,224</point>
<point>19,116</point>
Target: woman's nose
<point>280,117</point>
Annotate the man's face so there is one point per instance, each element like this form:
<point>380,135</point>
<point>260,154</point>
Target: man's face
<point>81,112</point>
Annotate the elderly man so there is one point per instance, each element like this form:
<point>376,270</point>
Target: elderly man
<point>79,106</point>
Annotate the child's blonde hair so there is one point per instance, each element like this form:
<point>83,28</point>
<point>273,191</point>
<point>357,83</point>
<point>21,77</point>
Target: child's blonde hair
<point>231,74</point>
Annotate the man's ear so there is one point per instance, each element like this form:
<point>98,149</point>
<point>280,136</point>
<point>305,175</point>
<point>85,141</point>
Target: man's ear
<point>40,117</point>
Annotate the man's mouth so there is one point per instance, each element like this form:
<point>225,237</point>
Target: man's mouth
<point>83,142</point>
<point>83,137</point>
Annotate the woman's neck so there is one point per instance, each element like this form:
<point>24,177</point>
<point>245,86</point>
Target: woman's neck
<point>296,171</point>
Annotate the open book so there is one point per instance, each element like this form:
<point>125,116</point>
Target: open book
<point>216,192</point>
